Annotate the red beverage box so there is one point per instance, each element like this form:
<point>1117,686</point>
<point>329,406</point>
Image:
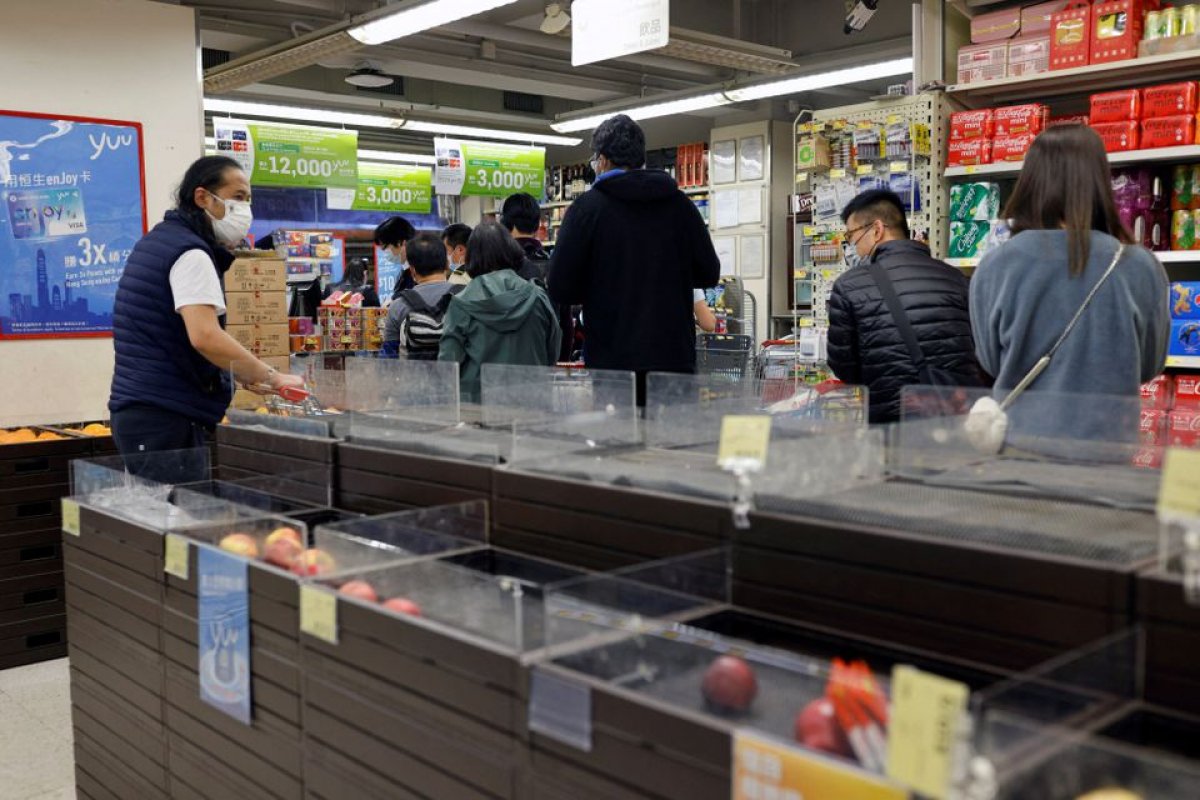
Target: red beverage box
<point>972,124</point>
<point>1036,19</point>
<point>1153,426</point>
<point>1158,393</point>
<point>1015,120</point>
<point>1117,106</point>
<point>1068,119</point>
<point>969,152</point>
<point>1148,458</point>
<point>995,26</point>
<point>1168,131</point>
<point>1169,100</point>
<point>1187,392</point>
<point>1119,136</point>
<point>1011,148</point>
<point>1183,427</point>
<point>1116,29</point>
<point>1071,36</point>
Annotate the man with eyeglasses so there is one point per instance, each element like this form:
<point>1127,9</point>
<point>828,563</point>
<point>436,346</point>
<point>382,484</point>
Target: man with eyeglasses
<point>898,317</point>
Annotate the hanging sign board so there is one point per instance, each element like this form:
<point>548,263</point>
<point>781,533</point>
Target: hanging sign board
<point>604,29</point>
<point>290,155</point>
<point>489,169</point>
<point>394,188</point>
<point>223,631</point>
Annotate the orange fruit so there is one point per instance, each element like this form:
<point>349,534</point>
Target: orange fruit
<point>48,436</point>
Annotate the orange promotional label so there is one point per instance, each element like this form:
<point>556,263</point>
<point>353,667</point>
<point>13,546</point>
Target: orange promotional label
<point>766,769</point>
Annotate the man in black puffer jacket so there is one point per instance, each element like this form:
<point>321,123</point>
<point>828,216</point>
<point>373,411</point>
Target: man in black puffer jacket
<point>866,348</point>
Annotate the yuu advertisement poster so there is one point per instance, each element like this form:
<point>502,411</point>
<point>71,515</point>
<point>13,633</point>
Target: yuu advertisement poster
<point>73,208</point>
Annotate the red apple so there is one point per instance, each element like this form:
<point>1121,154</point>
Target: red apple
<point>729,685</point>
<point>290,534</point>
<point>403,605</point>
<point>283,552</point>
<point>360,589</point>
<point>314,562</point>
<point>241,544</point>
<point>817,727</point>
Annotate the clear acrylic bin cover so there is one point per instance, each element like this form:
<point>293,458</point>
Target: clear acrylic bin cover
<point>519,393</point>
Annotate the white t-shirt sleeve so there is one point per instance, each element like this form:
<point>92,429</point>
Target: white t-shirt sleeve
<point>697,295</point>
<point>194,282</point>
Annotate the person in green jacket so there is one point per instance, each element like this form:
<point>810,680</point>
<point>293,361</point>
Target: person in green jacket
<point>500,318</point>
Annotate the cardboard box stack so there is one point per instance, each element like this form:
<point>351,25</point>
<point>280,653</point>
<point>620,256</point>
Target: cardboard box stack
<point>256,313</point>
<point>1009,43</point>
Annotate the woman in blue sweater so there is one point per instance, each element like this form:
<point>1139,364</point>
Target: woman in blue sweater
<point>1025,293</point>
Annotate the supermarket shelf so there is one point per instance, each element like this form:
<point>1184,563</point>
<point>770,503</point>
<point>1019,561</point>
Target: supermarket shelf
<point>697,190</point>
<point>1179,256</point>
<point>1078,80</point>
<point>963,263</point>
<point>557,204</point>
<point>1010,169</point>
<point>1183,362</point>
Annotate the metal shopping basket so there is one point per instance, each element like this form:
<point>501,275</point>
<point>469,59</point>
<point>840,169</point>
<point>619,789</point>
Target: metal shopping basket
<point>724,354</point>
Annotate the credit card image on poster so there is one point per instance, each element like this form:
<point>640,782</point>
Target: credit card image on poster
<point>46,213</point>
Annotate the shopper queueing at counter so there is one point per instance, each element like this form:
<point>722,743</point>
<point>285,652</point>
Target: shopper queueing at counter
<point>455,237</point>
<point>630,251</point>
<point>391,236</point>
<point>898,317</point>
<point>416,318</point>
<point>170,386</point>
<point>1025,292</point>
<point>521,215</point>
<point>499,318</point>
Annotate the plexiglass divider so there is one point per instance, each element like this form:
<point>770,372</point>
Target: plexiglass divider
<point>276,494</point>
<point>518,393</point>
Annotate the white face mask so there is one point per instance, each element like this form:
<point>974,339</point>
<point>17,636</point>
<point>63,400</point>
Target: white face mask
<point>234,226</point>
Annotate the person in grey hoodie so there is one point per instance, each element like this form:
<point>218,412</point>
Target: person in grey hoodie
<point>1025,292</point>
<point>499,318</point>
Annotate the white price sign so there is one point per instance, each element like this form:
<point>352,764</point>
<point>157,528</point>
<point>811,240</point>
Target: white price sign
<point>604,29</point>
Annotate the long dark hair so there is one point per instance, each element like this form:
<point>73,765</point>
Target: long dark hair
<point>1066,184</point>
<point>356,272</point>
<point>205,173</point>
<point>492,248</point>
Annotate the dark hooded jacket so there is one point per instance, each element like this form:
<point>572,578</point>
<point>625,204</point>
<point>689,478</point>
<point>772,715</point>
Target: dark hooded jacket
<point>631,251</point>
<point>865,346</point>
<point>499,318</point>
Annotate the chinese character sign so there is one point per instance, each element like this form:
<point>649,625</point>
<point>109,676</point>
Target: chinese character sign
<point>605,29</point>
<point>73,208</point>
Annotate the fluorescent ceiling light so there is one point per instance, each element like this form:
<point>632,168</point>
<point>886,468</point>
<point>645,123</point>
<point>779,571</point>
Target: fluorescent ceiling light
<point>363,155</point>
<point>489,133</point>
<point>663,109</point>
<point>803,83</point>
<point>218,105</point>
<point>415,19</point>
<point>822,80</point>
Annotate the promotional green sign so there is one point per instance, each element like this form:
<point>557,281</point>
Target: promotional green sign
<point>287,155</point>
<point>394,188</point>
<point>489,169</point>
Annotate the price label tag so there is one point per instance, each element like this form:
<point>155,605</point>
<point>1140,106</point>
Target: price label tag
<point>70,517</point>
<point>744,442</point>
<point>971,169</point>
<point>837,173</point>
<point>176,560</point>
<point>923,729</point>
<point>1179,491</point>
<point>318,613</point>
<point>764,768</point>
<point>865,169</point>
<point>899,166</point>
<point>809,230</point>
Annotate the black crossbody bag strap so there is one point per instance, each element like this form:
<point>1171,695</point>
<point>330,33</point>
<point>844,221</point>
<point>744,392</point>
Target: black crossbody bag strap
<point>900,317</point>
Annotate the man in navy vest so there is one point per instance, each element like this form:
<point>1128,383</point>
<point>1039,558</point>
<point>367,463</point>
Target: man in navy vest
<point>171,387</point>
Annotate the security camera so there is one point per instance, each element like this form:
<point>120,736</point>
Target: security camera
<point>860,15</point>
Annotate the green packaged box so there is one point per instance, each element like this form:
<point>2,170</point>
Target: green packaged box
<point>970,202</point>
<point>967,239</point>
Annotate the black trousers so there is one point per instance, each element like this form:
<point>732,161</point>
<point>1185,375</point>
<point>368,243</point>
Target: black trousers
<point>143,434</point>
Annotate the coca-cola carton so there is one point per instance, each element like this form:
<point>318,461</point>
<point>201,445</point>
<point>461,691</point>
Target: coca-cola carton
<point>1071,36</point>
<point>1183,427</point>
<point>1187,392</point>
<point>977,124</point>
<point>1148,457</point>
<point>1153,427</point>
<point>1158,393</point>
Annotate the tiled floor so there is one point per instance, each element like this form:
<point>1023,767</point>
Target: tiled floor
<point>36,761</point>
